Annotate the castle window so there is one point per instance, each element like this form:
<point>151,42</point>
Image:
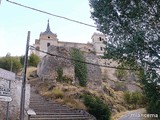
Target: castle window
<point>101,48</point>
<point>89,50</point>
<point>100,39</point>
<point>48,36</point>
<point>48,44</point>
<point>37,48</point>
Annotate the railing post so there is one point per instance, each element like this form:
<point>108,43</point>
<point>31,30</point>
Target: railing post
<point>29,116</point>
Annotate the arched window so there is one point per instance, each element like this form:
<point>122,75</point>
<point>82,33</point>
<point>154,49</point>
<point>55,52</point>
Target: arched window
<point>100,39</point>
<point>48,44</point>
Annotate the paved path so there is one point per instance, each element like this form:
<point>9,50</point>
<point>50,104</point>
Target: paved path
<point>133,115</point>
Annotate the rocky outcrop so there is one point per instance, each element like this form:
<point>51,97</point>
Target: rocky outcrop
<point>93,72</point>
<point>49,64</point>
<point>47,68</point>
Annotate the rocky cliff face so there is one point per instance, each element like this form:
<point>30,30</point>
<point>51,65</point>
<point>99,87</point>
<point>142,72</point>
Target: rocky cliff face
<point>47,68</point>
<point>49,64</point>
<point>93,72</point>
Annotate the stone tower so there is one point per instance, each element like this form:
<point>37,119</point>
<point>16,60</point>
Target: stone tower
<point>46,39</point>
<point>98,43</point>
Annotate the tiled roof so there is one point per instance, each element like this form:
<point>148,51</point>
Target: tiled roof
<point>48,30</point>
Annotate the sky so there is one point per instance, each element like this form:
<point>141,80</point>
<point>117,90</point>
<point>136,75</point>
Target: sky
<point>16,21</point>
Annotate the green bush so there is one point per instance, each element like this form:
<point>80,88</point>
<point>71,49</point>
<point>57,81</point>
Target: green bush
<point>97,107</point>
<point>60,74</point>
<point>80,68</point>
<point>127,97</point>
<point>61,77</point>
<point>33,60</point>
<point>135,99</point>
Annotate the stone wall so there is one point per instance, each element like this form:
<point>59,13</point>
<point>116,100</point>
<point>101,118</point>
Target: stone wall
<point>109,75</point>
<point>107,72</point>
<point>48,65</point>
<point>93,72</point>
<point>81,46</point>
<point>14,105</point>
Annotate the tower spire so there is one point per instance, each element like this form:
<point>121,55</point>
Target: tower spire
<point>48,27</point>
<point>48,30</point>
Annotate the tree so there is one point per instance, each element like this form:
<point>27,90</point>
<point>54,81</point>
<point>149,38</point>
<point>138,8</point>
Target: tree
<point>80,68</point>
<point>10,63</point>
<point>22,59</point>
<point>33,60</point>
<point>133,29</point>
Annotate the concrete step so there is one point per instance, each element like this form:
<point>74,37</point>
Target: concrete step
<point>58,116</point>
<point>51,113</point>
<point>54,111</point>
<point>61,118</point>
<point>49,110</point>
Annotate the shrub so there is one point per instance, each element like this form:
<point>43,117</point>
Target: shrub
<point>33,60</point>
<point>134,98</point>
<point>61,78</point>
<point>127,97</point>
<point>67,79</point>
<point>120,86</point>
<point>120,73</point>
<point>58,93</point>
<point>97,107</point>
<point>60,74</point>
<point>80,68</point>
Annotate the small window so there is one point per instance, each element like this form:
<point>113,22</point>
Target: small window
<point>89,50</point>
<point>48,36</point>
<point>37,48</point>
<point>100,39</point>
<point>48,44</point>
<point>101,48</point>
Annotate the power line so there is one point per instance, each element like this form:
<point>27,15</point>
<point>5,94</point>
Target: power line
<point>32,47</point>
<point>62,17</point>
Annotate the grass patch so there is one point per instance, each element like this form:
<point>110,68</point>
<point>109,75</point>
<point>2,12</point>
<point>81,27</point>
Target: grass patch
<point>58,93</point>
<point>73,103</point>
<point>55,93</point>
<point>43,87</point>
<point>30,70</point>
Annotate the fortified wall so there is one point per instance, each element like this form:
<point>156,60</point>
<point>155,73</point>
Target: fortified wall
<point>49,64</point>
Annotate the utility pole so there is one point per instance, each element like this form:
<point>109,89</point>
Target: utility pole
<point>22,105</point>
<point>7,111</point>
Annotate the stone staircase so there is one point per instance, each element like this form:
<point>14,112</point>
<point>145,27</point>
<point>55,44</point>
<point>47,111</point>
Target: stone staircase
<point>49,110</point>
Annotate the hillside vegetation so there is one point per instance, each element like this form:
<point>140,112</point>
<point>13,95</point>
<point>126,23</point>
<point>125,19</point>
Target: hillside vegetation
<point>73,95</point>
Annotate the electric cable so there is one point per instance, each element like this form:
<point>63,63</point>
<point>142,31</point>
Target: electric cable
<point>62,17</point>
<point>32,47</point>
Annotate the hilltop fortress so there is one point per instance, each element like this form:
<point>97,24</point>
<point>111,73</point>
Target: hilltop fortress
<point>48,38</point>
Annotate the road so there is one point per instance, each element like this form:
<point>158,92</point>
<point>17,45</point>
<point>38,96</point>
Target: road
<point>132,115</point>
